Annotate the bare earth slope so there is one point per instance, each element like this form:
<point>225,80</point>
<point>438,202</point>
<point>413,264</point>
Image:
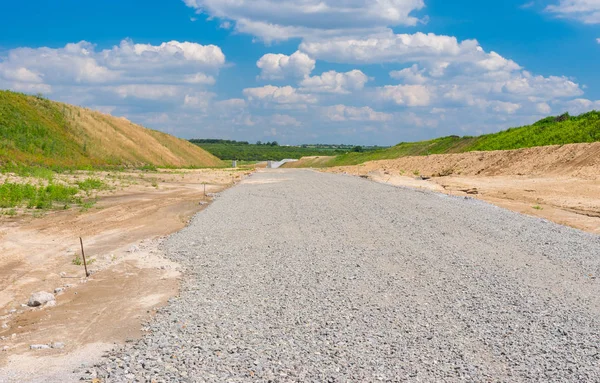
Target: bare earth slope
<point>577,160</point>
<point>299,276</point>
<point>36,131</point>
<point>574,160</point>
<point>111,137</point>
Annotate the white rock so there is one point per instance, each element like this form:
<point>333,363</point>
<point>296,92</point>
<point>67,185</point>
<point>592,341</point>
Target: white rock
<point>57,345</point>
<point>40,298</point>
<point>133,249</point>
<point>39,347</point>
<point>58,290</point>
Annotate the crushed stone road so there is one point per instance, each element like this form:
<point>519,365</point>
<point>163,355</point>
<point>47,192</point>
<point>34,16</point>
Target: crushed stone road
<point>298,276</point>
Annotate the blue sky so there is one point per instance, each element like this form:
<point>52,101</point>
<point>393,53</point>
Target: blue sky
<point>329,71</point>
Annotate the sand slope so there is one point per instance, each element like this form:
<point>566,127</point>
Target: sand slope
<point>36,131</point>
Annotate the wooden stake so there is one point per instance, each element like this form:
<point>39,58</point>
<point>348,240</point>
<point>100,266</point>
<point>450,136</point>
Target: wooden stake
<point>83,254</point>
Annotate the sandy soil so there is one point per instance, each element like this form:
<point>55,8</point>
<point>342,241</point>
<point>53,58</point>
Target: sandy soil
<point>130,278</point>
<point>558,183</point>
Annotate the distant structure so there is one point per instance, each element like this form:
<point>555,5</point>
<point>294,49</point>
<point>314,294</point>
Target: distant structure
<point>278,164</point>
<point>234,164</point>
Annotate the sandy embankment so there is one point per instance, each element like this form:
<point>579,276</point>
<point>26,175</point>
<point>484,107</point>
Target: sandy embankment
<point>558,183</point>
<point>122,234</point>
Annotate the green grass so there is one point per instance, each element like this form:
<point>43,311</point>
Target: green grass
<point>34,131</point>
<point>46,197</point>
<point>148,168</point>
<point>46,173</point>
<point>559,130</point>
<point>87,205</point>
<point>13,195</point>
<point>77,261</point>
<point>90,184</point>
<point>11,213</point>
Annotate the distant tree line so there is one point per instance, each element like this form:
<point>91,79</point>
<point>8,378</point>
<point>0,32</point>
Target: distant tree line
<point>217,141</point>
<point>265,151</point>
<point>229,142</point>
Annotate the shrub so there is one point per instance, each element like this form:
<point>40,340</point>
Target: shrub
<point>91,184</point>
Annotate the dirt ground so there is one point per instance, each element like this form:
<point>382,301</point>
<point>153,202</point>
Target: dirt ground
<point>558,183</point>
<point>130,278</point>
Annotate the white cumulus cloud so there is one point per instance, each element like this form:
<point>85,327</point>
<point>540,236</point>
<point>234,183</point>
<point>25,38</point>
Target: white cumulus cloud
<point>390,47</point>
<point>335,82</point>
<point>543,108</point>
<point>581,105</point>
<point>409,95</point>
<point>198,100</point>
<point>283,19</point>
<point>280,66</point>
<point>127,64</point>
<point>412,75</point>
<point>586,11</point>
<point>278,95</point>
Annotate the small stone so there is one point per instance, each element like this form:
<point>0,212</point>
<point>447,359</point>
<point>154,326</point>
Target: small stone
<point>40,298</point>
<point>133,249</point>
<point>12,311</point>
<point>39,347</point>
<point>58,290</point>
<point>57,345</point>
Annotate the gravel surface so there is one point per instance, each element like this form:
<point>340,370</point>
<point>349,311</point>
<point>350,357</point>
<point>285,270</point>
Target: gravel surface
<point>298,276</point>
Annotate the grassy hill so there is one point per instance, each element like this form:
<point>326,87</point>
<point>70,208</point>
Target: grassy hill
<point>559,130</point>
<point>38,132</point>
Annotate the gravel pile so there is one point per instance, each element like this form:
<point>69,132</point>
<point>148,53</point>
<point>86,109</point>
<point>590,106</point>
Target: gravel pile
<point>297,276</point>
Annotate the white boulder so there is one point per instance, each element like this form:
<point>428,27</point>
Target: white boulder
<point>40,298</point>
